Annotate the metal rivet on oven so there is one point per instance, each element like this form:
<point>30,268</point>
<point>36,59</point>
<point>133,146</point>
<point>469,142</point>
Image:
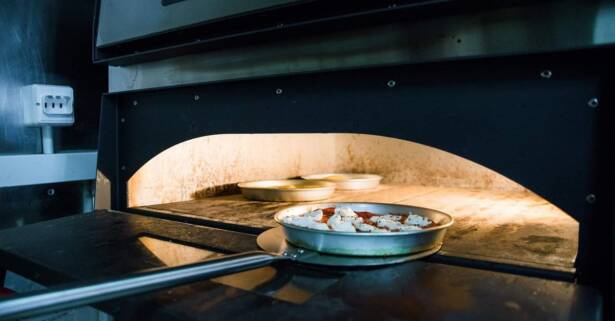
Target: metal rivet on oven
<point>590,198</point>
<point>134,102</point>
<point>123,168</point>
<point>546,74</point>
<point>593,103</point>
<point>123,119</point>
<point>51,192</point>
<point>196,97</point>
<point>391,83</point>
<point>278,91</point>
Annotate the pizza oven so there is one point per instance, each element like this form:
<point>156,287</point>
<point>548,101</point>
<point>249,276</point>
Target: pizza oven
<point>498,115</point>
<point>506,135</point>
<point>490,141</point>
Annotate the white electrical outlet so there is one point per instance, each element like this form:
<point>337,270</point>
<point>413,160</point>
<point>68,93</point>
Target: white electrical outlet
<point>48,105</point>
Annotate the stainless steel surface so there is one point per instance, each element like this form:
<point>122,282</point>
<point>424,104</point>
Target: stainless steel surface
<point>43,41</point>
<point>32,169</point>
<point>51,300</point>
<point>20,284</point>
<point>288,190</point>
<point>22,61</point>
<point>122,20</point>
<point>544,27</point>
<point>366,244</point>
<point>345,181</point>
<point>273,240</point>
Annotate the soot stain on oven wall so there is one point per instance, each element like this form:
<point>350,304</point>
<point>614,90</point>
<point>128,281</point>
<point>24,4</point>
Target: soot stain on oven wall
<point>217,190</point>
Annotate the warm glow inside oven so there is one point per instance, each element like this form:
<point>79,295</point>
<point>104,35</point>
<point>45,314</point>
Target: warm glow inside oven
<point>497,220</point>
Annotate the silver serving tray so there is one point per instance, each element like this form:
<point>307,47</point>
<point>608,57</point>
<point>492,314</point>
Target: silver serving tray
<point>273,240</point>
<point>278,191</point>
<point>348,181</point>
<point>366,244</point>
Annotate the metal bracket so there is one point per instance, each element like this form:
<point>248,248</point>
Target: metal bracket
<point>34,169</point>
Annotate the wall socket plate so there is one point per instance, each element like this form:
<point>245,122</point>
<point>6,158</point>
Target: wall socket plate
<point>48,105</point>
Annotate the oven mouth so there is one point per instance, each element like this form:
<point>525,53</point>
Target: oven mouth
<point>497,219</point>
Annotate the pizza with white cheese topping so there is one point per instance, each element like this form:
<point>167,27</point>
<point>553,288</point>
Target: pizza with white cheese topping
<point>344,219</point>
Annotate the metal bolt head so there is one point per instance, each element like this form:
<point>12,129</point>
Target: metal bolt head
<point>593,103</point>
<point>123,120</point>
<point>123,168</point>
<point>294,256</point>
<point>590,198</point>
<point>546,74</point>
<point>134,102</point>
<point>196,97</point>
<point>278,91</point>
<point>300,251</point>
<point>51,192</point>
<point>391,83</point>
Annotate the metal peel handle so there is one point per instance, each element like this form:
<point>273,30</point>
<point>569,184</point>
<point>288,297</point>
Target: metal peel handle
<point>75,295</point>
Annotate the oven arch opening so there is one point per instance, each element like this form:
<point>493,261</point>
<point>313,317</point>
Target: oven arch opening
<point>497,219</point>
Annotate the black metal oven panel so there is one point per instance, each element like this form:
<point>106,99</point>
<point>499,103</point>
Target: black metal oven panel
<point>129,32</point>
<point>121,21</point>
<point>154,29</point>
